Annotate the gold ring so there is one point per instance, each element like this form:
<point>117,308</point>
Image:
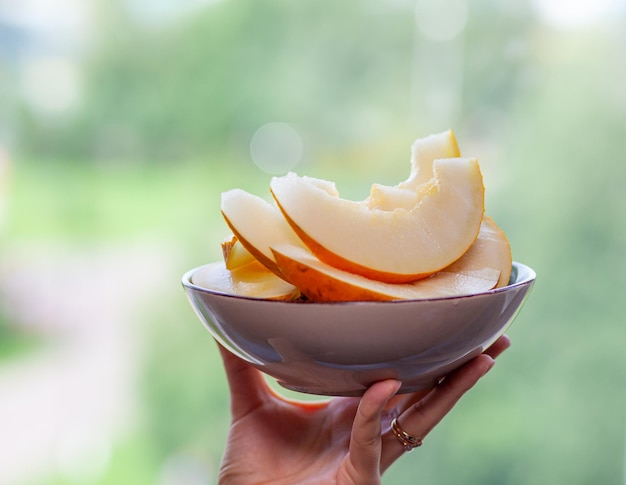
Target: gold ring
<point>407,441</point>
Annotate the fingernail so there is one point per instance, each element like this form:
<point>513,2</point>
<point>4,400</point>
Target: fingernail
<point>393,386</point>
<point>489,367</point>
<point>396,387</point>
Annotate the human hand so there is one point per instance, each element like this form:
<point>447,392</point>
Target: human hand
<point>341,441</point>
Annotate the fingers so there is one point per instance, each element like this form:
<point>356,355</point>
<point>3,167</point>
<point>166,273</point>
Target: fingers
<point>248,388</point>
<point>425,414</point>
<point>401,402</point>
<point>499,346</point>
<point>420,418</point>
<point>365,443</point>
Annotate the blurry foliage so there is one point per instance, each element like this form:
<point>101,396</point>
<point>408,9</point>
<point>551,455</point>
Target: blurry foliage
<point>497,53</point>
<point>204,83</point>
<point>191,86</point>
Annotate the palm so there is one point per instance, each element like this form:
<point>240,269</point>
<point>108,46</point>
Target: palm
<point>307,440</point>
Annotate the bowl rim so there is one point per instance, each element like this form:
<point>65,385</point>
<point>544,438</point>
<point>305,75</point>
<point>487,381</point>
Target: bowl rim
<point>529,276</point>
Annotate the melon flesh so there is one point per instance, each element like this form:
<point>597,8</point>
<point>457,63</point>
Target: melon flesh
<point>234,254</point>
<point>252,280</point>
<point>424,152</point>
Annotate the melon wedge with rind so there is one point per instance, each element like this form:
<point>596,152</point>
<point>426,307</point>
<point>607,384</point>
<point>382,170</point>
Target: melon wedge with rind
<point>257,225</point>
<point>480,269</point>
<point>395,246</point>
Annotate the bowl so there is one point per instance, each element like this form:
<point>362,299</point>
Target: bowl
<point>340,349</point>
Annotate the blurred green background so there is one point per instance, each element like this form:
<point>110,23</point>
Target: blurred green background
<point>122,121</point>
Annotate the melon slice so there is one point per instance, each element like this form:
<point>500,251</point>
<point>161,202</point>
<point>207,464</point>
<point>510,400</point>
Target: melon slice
<point>395,246</point>
<point>257,224</point>
<point>235,255</point>
<point>491,249</point>
<point>252,280</point>
<point>481,268</point>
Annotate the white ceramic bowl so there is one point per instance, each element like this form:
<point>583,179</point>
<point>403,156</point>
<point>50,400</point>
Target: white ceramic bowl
<point>342,348</point>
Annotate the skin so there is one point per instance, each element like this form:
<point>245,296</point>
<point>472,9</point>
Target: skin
<point>341,441</point>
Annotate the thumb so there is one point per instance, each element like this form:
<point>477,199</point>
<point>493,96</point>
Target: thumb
<point>248,388</point>
<point>365,440</point>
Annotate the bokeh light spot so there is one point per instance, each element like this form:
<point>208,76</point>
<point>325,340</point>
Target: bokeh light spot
<point>441,20</point>
<point>51,85</point>
<point>276,147</point>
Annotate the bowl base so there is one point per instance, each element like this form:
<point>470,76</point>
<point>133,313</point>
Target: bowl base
<point>352,392</point>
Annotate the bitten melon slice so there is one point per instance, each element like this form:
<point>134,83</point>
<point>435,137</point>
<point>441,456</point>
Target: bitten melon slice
<point>481,268</point>
<point>424,152</point>
<point>395,246</point>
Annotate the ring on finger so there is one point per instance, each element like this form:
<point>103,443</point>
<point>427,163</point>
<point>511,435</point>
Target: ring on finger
<point>408,441</point>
